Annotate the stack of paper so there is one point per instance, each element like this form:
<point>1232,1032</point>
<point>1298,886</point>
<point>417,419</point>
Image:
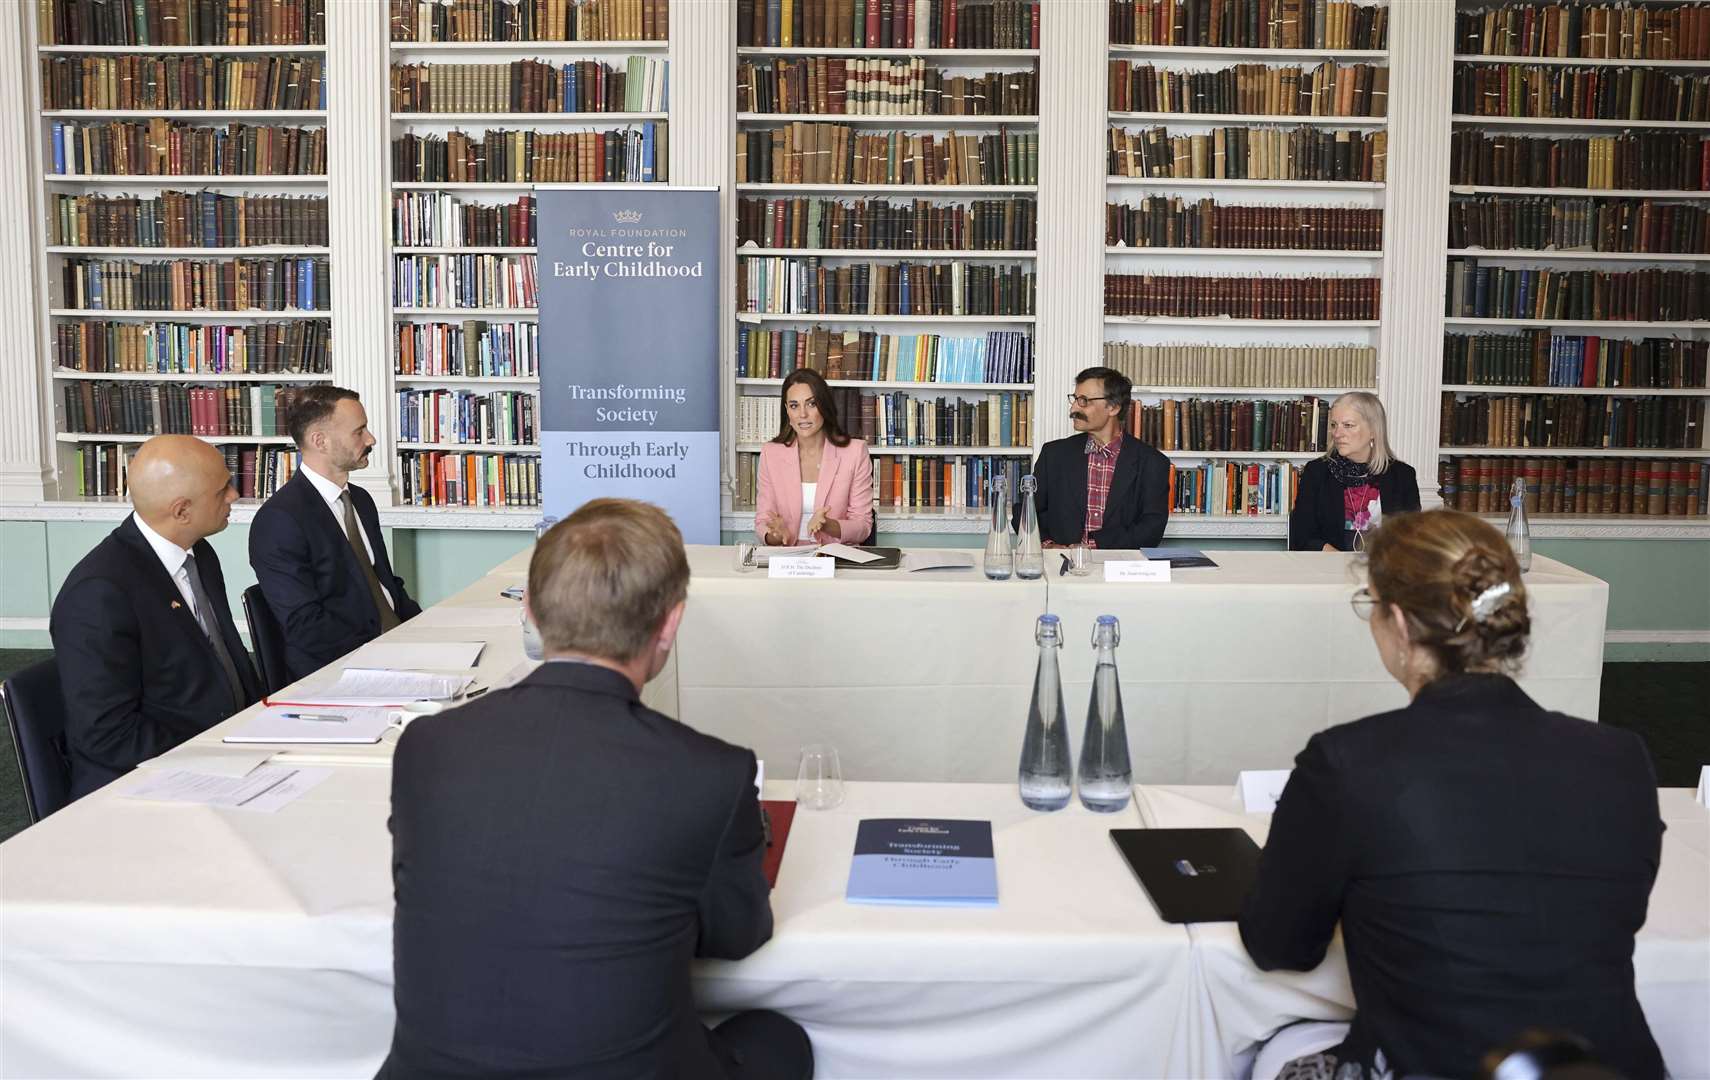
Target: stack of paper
<point>381,687</point>
<point>304,725</point>
<point>264,790</point>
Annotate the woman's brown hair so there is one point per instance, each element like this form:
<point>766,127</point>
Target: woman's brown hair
<point>1446,571</point>
<point>815,382</point>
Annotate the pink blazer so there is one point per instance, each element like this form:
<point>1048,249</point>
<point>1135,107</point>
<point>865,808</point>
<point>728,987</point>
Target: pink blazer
<point>845,489</point>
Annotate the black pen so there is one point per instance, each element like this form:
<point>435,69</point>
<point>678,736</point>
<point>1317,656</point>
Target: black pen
<point>1065,569</point>
<point>471,695</point>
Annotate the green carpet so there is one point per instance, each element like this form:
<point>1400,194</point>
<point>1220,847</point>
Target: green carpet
<point>1667,704</point>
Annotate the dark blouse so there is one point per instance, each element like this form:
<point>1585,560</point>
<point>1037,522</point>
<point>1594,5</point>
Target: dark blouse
<point>1322,513</point>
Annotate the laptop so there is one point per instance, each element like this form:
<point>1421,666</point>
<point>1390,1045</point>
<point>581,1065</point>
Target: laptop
<point>1192,875</point>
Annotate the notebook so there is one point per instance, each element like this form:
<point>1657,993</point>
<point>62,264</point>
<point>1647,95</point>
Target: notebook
<point>921,861</point>
<point>1179,558</point>
<point>1192,875</point>
<point>290,725</point>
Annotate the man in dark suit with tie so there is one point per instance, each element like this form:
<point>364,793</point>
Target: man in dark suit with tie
<point>561,852</point>
<point>148,654</point>
<point>316,545</point>
<point>1102,488</point>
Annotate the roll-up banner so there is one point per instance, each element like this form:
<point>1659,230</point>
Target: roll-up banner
<point>629,350</point>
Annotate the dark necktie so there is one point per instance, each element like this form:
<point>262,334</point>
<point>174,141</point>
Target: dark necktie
<point>353,533</point>
<point>210,625</point>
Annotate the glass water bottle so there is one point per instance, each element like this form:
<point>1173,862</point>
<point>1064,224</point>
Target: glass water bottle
<point>1000,559</point>
<point>1045,767</point>
<point>1029,554</point>
<point>1107,779</point>
<point>1519,529</point>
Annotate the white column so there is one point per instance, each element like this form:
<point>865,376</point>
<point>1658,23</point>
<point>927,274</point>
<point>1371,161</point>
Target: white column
<point>358,168</point>
<point>1070,332</point>
<point>703,154</point>
<point>26,447</point>
<point>1416,228</point>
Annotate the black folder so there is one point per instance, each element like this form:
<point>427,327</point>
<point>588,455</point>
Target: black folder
<point>1192,875</point>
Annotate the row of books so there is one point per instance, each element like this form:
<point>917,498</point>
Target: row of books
<point>532,86</point>
<point>257,471</point>
<point>454,478</point>
<point>994,419</point>
<point>495,418</point>
<point>441,219</point>
<point>1247,489</point>
<point>187,219</point>
<point>284,284</point>
<point>530,20</point>
<point>1578,486</point>
<point>1568,223</point>
<point>1250,24</point>
<point>1202,296</point>
<point>166,348</point>
<point>1635,161</point>
<point>1542,358</point>
<point>862,225</point>
<point>636,154</point>
<point>1596,93</point>
<point>1502,292</point>
<point>160,147</point>
<point>137,408</point>
<point>1169,221</point>
<point>181,22</point>
<point>1000,356</point>
<point>468,349</point>
<point>1330,89</point>
<point>182,82</point>
<point>1572,420</point>
<point>464,281</point>
<point>1617,31</point>
<point>888,24</point>
<point>805,285</point>
<point>914,482</point>
<point>1242,153</point>
<point>1257,366</point>
<point>854,86</point>
<point>1243,425</point>
<point>803,152</point>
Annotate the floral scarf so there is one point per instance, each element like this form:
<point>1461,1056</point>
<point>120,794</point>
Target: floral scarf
<point>1362,507</point>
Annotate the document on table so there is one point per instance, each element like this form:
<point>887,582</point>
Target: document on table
<point>853,554</point>
<point>379,686</point>
<point>448,655</point>
<point>211,760</point>
<point>324,725</point>
<point>913,561</point>
<point>263,791</point>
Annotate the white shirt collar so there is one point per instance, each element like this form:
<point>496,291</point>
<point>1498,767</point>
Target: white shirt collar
<point>329,490</point>
<point>171,555</point>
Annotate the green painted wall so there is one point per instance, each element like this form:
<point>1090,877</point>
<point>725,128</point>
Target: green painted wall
<point>1655,585</point>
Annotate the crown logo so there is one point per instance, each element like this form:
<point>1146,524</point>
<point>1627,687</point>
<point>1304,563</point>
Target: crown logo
<point>628,217</point>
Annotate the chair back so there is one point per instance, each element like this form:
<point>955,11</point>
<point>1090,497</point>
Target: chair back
<point>35,718</point>
<point>268,637</point>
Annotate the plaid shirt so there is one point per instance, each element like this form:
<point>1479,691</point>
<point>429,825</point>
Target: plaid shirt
<point>1101,469</point>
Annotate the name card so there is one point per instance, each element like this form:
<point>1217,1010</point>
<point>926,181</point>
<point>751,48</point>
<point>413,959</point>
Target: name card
<point>799,566</point>
<point>1704,786</point>
<point>1261,788</point>
<point>1137,570</point>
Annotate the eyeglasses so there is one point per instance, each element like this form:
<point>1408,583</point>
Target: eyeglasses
<point>1363,603</point>
<point>1083,401</point>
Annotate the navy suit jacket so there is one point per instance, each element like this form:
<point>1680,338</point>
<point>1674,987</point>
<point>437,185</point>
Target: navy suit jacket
<point>139,676</point>
<point>311,578</point>
<point>560,855</point>
<point>1136,510</point>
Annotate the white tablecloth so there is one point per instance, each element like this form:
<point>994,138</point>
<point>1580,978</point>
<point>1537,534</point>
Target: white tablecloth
<point>1671,957</point>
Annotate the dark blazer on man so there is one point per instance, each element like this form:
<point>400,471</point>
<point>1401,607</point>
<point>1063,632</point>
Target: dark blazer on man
<point>1135,513</point>
<point>560,853</point>
<point>1490,863</point>
<point>311,578</point>
<point>1318,513</point>
<point>139,676</point>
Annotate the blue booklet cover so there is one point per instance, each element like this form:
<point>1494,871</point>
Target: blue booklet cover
<point>923,861</point>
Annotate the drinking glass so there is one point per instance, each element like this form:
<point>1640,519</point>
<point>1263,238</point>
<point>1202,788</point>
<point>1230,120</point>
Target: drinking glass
<point>746,557</point>
<point>819,780</point>
<point>1078,560</point>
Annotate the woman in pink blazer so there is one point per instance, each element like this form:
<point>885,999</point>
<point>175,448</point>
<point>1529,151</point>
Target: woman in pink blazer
<point>816,483</point>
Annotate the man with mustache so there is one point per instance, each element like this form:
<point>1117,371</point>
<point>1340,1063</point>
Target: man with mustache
<point>316,545</point>
<point>1101,487</point>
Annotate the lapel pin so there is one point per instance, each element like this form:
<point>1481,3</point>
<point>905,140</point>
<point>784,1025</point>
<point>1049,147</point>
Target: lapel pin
<point>176,605</point>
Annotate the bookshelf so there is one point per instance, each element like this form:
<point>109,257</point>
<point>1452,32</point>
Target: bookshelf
<point>183,256</point>
<point>1600,412</point>
<point>912,291</point>
<point>506,99</point>
<point>1222,164</point>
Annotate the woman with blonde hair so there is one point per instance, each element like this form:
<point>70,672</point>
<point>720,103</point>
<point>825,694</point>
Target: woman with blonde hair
<point>1345,493</point>
<point>1489,860</point>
